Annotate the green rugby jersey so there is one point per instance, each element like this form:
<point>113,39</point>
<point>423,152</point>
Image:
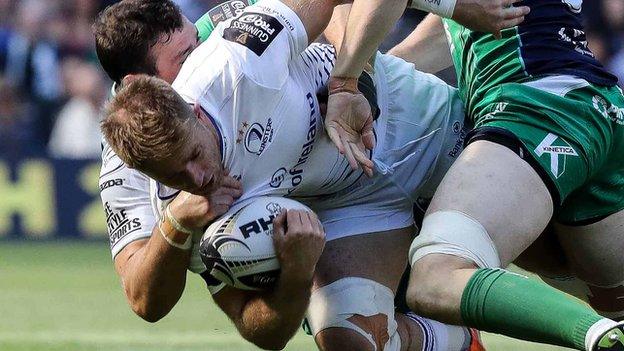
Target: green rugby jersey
<point>550,41</point>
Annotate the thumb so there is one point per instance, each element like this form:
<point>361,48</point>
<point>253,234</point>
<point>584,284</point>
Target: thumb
<point>279,237</point>
<point>279,226</point>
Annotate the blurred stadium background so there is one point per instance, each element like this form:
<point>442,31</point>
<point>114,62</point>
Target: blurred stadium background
<point>58,289</point>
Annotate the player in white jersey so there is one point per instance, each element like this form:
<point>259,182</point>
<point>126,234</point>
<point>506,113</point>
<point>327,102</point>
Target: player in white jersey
<point>251,140</point>
<point>152,37</point>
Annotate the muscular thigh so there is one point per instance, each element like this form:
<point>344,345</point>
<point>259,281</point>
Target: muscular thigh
<point>381,257</point>
<point>594,251</point>
<point>594,254</point>
<point>545,256</point>
<point>500,191</point>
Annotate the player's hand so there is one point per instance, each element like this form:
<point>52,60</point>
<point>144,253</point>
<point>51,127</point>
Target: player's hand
<point>349,122</point>
<point>490,16</point>
<point>196,211</point>
<point>299,240</point>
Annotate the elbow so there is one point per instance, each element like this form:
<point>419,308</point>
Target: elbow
<point>270,344</point>
<point>146,312</point>
<point>148,315</point>
<point>266,342</point>
<point>148,309</point>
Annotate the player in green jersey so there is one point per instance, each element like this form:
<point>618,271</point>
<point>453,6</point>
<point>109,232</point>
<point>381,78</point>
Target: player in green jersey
<point>546,148</point>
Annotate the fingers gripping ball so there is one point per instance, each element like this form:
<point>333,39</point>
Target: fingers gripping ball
<point>238,249</point>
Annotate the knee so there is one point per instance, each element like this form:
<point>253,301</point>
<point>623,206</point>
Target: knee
<point>423,292</point>
<point>353,314</point>
<point>430,285</point>
<point>367,338</point>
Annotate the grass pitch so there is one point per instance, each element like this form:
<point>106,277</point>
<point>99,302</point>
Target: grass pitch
<point>66,296</point>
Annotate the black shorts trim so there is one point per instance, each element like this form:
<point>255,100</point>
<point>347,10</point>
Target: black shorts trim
<point>587,221</point>
<point>509,140</point>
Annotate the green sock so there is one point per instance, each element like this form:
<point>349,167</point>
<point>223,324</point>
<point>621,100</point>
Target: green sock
<point>502,302</point>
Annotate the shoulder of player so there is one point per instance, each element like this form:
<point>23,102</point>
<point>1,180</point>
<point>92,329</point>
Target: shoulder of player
<point>206,66</point>
<point>214,71</point>
<point>116,176</point>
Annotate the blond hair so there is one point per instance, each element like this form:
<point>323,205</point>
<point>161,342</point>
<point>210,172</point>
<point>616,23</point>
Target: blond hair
<point>146,121</point>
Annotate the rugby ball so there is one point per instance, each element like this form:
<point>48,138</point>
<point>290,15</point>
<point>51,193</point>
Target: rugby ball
<point>238,250</point>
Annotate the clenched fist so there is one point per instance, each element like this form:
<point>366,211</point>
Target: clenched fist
<point>299,240</point>
<point>196,211</point>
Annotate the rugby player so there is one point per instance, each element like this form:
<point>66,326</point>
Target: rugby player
<point>546,148</point>
<point>136,261</point>
<point>148,37</point>
<point>300,171</point>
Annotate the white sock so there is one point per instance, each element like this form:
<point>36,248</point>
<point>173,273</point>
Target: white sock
<point>441,337</point>
<point>597,330</point>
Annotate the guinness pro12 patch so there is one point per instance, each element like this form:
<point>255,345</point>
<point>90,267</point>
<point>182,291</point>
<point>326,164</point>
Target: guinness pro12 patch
<point>253,30</point>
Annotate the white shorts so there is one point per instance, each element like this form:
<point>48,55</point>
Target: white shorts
<point>420,133</point>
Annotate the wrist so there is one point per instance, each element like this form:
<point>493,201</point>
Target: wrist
<point>174,237</point>
<point>443,8</point>
<point>295,281</point>
<point>179,225</point>
<point>297,276</point>
<point>342,85</point>
<point>346,66</point>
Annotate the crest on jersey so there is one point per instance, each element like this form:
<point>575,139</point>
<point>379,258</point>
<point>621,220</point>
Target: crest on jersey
<point>558,150</point>
<point>278,178</point>
<point>258,137</point>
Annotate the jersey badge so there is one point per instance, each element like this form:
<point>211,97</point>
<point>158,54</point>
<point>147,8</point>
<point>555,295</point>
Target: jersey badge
<point>258,137</point>
<point>255,31</point>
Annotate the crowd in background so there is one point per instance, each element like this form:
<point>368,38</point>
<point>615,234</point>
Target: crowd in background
<point>52,88</point>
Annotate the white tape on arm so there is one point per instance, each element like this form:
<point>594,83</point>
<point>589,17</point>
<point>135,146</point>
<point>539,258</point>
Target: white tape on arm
<point>187,245</point>
<point>174,222</point>
<point>444,8</point>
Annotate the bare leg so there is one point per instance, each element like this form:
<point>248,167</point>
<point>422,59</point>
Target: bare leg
<point>380,257</point>
<point>493,186</point>
<point>594,253</point>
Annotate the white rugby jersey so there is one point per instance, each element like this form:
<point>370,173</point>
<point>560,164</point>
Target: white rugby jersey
<point>261,96</point>
<point>257,79</point>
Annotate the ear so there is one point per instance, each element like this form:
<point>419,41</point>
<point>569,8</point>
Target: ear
<point>197,110</point>
<point>127,80</point>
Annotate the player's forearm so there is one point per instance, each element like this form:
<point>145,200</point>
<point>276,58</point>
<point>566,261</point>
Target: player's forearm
<point>369,23</point>
<point>154,277</point>
<point>426,46</point>
<point>271,319</point>
<point>335,31</point>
